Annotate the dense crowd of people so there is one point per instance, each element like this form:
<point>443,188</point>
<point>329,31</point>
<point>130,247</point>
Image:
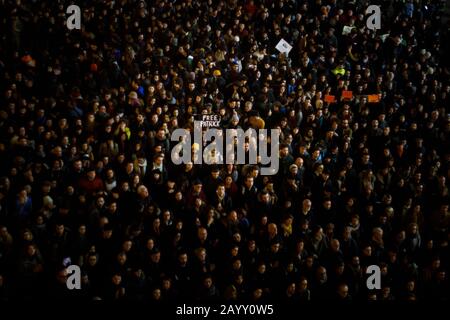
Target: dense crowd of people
<point>86,176</point>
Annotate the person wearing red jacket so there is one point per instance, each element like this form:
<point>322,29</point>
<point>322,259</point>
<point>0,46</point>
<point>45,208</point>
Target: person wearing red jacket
<point>91,183</point>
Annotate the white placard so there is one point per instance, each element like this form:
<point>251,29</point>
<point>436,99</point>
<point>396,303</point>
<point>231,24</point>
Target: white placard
<point>384,36</point>
<point>347,30</point>
<point>283,46</point>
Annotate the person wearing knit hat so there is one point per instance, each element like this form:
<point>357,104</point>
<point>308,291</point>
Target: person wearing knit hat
<point>94,67</point>
<point>257,122</point>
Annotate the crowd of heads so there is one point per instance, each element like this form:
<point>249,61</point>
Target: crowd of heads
<point>86,176</point>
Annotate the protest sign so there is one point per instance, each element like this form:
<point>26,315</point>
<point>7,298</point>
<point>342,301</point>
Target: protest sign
<point>284,47</point>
